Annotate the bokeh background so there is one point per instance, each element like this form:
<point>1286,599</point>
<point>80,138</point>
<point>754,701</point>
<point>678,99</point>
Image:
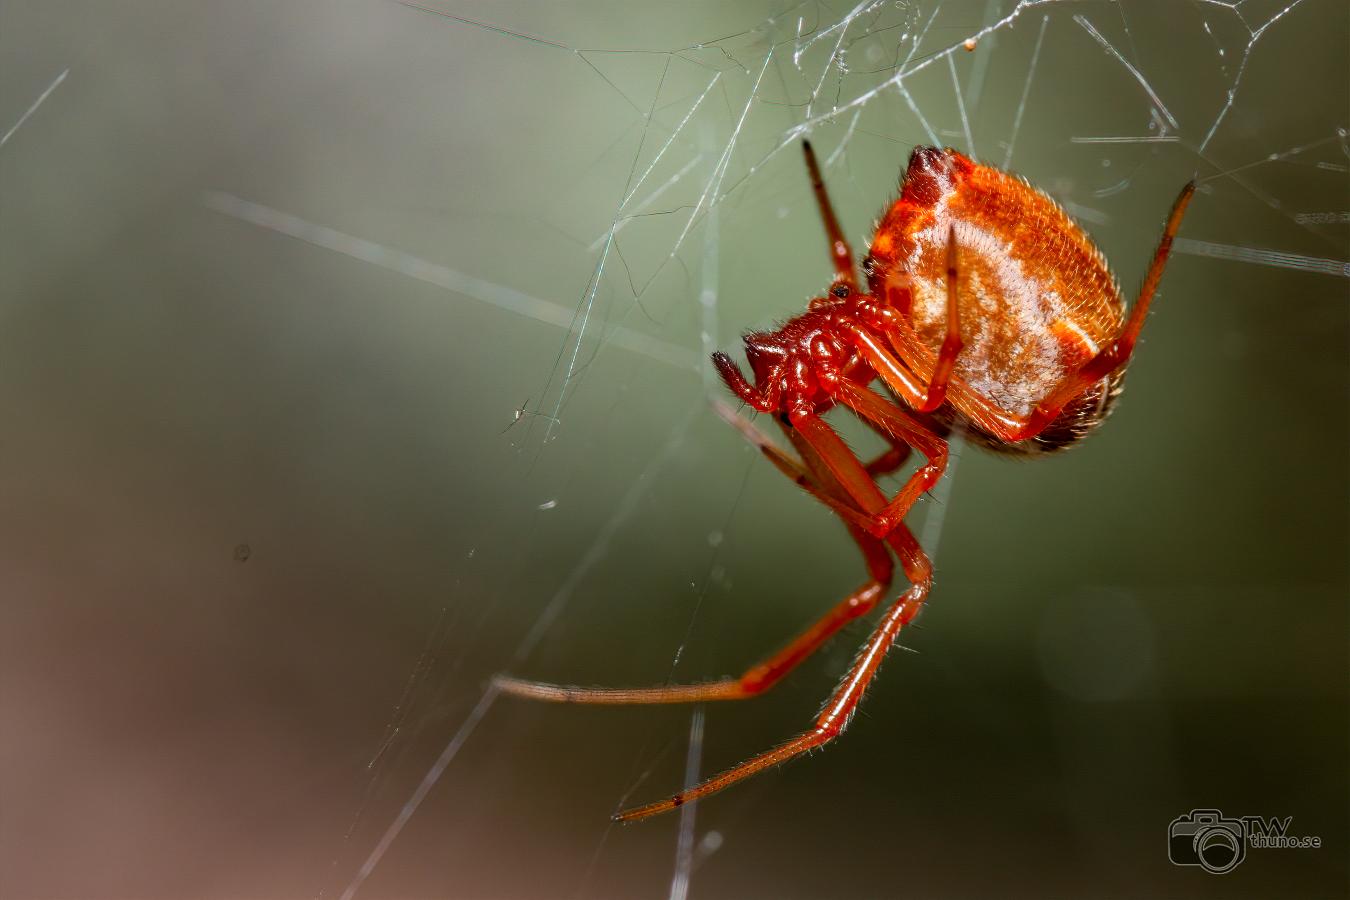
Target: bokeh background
<point>351,352</point>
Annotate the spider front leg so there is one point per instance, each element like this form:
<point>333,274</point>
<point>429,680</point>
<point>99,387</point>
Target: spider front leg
<point>883,464</point>
<point>899,425</point>
<point>889,460</point>
<point>841,705</point>
<point>758,678</point>
<point>818,440</point>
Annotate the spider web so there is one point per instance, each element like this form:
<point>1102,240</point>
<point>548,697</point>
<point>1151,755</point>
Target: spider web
<point>557,213</point>
<point>705,142</point>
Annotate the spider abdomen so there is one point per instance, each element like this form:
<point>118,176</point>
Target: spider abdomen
<point>1036,298</point>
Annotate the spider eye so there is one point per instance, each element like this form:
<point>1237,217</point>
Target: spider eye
<point>839,290</point>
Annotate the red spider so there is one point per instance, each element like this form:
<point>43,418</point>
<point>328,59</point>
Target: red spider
<point>986,309</point>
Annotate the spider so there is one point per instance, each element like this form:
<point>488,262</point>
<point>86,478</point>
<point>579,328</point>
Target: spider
<point>985,308</point>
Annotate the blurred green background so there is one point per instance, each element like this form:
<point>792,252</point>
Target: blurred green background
<point>291,296</point>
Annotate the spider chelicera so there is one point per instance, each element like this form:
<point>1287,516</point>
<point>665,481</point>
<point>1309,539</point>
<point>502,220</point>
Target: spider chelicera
<point>986,309</point>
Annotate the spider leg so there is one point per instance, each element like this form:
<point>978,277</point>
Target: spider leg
<point>839,248</point>
<point>896,375</point>
<point>817,481</point>
<point>888,461</point>
<point>755,680</point>
<point>890,418</point>
<point>844,702</point>
<point>765,400</point>
<point>1118,352</point>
